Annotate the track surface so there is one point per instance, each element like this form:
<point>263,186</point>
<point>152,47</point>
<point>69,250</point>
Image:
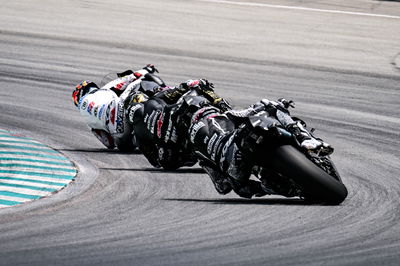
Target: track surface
<point>339,68</point>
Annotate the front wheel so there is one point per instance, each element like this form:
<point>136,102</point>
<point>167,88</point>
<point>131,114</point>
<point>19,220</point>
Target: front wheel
<point>317,185</point>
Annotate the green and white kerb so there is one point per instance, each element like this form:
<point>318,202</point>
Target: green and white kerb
<point>30,170</point>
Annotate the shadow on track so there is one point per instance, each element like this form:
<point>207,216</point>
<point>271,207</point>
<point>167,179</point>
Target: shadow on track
<point>100,150</point>
<point>265,201</point>
<point>159,170</point>
<point>150,169</point>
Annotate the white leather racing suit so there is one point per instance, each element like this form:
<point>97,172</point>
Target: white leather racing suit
<point>100,110</point>
<point>104,111</point>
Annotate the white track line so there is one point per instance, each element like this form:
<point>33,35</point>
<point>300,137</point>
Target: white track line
<point>300,8</point>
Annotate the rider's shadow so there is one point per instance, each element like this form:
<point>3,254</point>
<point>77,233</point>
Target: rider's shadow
<point>242,201</point>
<point>101,150</point>
<point>184,170</point>
<point>199,170</point>
<point>158,170</point>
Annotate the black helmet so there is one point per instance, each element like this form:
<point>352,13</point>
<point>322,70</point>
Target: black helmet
<point>82,89</point>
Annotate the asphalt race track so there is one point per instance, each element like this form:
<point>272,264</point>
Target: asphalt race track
<point>339,67</point>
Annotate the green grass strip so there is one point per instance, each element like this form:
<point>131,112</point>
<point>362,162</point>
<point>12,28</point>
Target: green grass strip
<point>38,167</point>
<point>29,187</point>
<point>34,155</point>
<point>34,161</point>
<point>19,195</point>
<point>33,181</point>
<point>69,177</point>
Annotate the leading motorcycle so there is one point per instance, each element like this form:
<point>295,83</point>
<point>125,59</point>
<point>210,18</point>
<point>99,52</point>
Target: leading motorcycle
<point>279,162</point>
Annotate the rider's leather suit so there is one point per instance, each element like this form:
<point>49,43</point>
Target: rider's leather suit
<point>103,109</point>
<point>171,126</point>
<point>164,124</point>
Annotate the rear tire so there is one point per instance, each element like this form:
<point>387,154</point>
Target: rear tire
<point>317,185</point>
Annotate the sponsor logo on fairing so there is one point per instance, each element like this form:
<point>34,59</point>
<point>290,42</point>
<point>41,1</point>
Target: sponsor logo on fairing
<point>132,111</point>
<point>101,110</point>
<point>224,151</point>
<point>95,111</point>
<point>194,129</point>
<point>120,119</point>
<point>84,105</point>
<point>169,129</point>
<point>160,122</point>
<point>112,116</point>
<point>211,143</point>
<point>90,107</point>
<point>108,114</point>
<point>151,121</point>
<point>216,147</point>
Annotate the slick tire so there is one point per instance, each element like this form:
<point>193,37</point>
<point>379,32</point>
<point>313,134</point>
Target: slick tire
<point>317,185</point>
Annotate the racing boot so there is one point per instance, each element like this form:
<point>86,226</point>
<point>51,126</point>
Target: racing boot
<point>221,183</point>
<point>272,183</point>
<point>307,141</point>
<point>239,171</point>
<point>247,189</point>
<point>238,167</point>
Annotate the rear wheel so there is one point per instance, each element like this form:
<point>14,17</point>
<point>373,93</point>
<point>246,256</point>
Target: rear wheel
<point>317,185</point>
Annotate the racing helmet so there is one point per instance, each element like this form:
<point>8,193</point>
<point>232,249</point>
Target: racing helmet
<point>140,98</point>
<point>82,89</point>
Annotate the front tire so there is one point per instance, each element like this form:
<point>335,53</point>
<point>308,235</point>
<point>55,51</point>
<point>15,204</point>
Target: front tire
<point>317,185</point>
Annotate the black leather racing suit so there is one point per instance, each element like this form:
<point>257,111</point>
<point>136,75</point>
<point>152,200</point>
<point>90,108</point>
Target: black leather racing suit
<point>170,130</point>
<point>162,122</point>
<point>177,123</point>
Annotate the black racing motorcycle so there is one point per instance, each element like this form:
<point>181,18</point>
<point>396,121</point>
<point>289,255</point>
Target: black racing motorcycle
<point>285,168</point>
<point>280,163</point>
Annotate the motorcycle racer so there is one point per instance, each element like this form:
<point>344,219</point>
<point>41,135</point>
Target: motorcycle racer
<point>160,124</point>
<point>214,133</point>
<point>103,108</point>
<point>226,147</point>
